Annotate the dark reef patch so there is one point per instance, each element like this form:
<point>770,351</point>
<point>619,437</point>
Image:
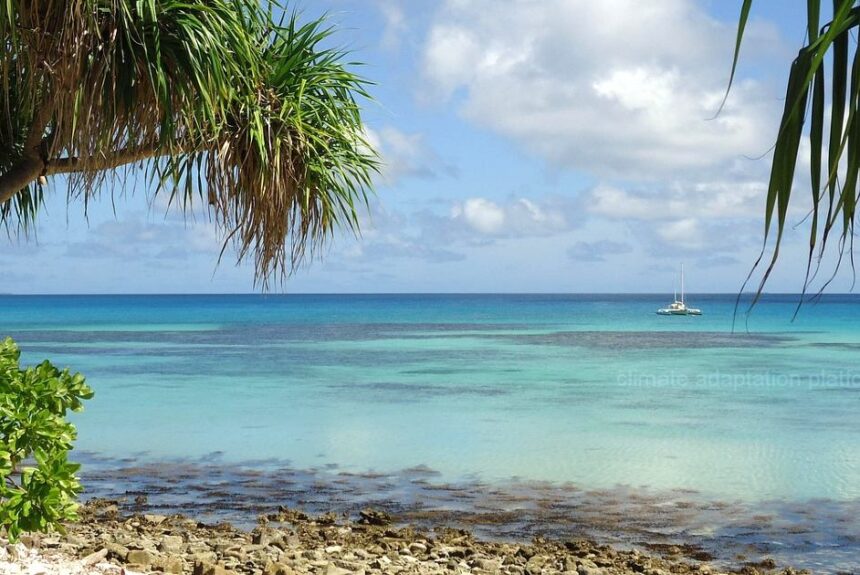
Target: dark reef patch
<point>627,340</point>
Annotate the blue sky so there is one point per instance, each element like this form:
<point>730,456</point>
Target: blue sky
<point>529,146</point>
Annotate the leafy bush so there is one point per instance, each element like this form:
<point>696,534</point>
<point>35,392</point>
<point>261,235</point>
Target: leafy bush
<point>38,486</point>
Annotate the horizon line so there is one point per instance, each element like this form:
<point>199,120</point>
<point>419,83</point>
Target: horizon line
<point>392,293</point>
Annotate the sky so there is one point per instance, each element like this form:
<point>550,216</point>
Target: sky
<point>528,146</point>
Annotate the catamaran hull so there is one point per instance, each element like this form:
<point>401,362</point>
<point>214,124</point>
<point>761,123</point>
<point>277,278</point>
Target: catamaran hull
<point>679,312</point>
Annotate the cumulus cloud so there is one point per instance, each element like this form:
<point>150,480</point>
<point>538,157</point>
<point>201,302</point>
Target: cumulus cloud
<point>619,88</point>
<point>391,234</point>
<point>395,23</point>
<point>407,155</point>
<point>698,239</point>
<point>517,217</point>
<point>685,234</point>
<point>438,236</point>
<point>624,92</point>
<point>133,238</point>
<point>397,246</point>
<point>482,215</point>
<point>709,200</point>
<point>699,218</point>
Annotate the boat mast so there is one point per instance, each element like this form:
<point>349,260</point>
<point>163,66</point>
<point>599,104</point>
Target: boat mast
<point>682,283</point>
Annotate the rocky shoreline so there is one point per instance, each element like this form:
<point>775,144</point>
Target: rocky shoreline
<point>108,542</point>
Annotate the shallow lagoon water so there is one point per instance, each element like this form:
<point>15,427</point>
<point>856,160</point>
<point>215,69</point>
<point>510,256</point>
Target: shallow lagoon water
<point>593,391</point>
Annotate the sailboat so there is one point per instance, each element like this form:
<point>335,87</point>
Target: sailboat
<point>679,307</point>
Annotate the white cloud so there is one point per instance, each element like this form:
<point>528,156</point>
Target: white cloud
<point>451,56</point>
<point>624,92</point>
<point>395,23</point>
<point>481,215</point>
<point>135,238</point>
<point>638,88</point>
<point>517,217</point>
<point>711,201</point>
<point>390,234</point>
<point>719,217</point>
<point>406,155</point>
<point>685,233</point>
<point>438,238</point>
<point>619,88</point>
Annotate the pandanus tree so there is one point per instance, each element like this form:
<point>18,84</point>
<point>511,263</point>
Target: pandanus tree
<point>224,102</point>
<point>823,87</point>
<point>213,101</point>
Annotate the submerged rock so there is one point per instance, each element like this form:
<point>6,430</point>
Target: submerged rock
<point>374,517</point>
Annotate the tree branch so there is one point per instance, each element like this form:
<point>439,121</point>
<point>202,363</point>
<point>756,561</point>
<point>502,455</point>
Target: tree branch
<point>121,157</point>
<point>37,128</point>
<point>11,482</point>
<point>31,166</point>
<point>19,176</point>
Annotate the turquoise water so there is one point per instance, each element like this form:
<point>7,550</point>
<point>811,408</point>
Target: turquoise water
<point>597,391</point>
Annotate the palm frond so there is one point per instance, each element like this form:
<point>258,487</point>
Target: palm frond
<point>834,183</point>
<point>214,99</point>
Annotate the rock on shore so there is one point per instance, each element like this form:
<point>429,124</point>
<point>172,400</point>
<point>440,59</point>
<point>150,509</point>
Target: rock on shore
<point>292,543</point>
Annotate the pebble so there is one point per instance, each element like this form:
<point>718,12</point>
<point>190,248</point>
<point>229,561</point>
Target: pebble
<point>171,544</point>
<point>303,545</point>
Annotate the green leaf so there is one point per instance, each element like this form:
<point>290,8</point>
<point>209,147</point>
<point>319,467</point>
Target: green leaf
<point>742,24</point>
<point>41,494</point>
<point>808,80</point>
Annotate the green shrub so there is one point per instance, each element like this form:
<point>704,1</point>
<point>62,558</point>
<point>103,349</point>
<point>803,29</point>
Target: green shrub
<point>38,486</point>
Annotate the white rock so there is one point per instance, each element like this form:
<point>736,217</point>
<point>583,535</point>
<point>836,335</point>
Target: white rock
<point>34,562</point>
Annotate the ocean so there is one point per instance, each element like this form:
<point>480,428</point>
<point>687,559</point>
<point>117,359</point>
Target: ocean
<point>747,423</point>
